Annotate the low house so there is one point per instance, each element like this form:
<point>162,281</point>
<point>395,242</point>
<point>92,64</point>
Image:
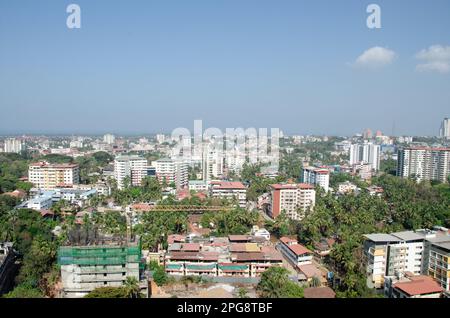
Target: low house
<point>295,253</point>
<point>221,257</point>
<point>411,286</point>
<point>256,231</point>
<point>319,292</point>
<point>309,271</point>
<point>323,247</point>
<point>40,203</point>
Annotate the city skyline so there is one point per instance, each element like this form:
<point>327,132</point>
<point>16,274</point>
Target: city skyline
<point>152,67</point>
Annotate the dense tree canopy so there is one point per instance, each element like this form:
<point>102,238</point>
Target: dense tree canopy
<point>404,205</point>
<point>275,283</point>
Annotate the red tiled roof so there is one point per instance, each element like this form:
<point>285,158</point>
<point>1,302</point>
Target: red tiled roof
<point>291,186</point>
<point>256,256</point>
<point>190,247</point>
<point>305,186</point>
<point>239,237</point>
<point>310,270</point>
<point>282,186</point>
<point>46,212</point>
<point>238,247</point>
<point>319,292</point>
<point>204,256</point>
<point>322,171</point>
<point>419,285</point>
<point>228,185</point>
<point>286,240</point>
<point>299,249</point>
<point>54,165</point>
<point>175,238</point>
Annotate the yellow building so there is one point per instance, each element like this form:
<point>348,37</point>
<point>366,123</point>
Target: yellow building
<point>44,175</point>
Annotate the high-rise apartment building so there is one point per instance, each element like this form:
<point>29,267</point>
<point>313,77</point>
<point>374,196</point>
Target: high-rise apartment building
<point>212,163</point>
<point>134,167</point>
<point>109,139</point>
<point>367,134</point>
<point>172,171</point>
<point>294,199</point>
<point>367,152</point>
<point>45,175</point>
<point>160,138</point>
<point>444,131</point>
<point>12,145</point>
<point>316,176</point>
<point>424,163</point>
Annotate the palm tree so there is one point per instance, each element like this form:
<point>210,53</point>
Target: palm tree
<point>131,286</point>
<point>272,282</point>
<point>315,282</point>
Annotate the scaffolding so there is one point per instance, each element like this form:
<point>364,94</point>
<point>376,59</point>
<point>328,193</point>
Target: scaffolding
<point>100,255</point>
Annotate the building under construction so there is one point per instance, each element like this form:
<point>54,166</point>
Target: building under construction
<point>92,262</point>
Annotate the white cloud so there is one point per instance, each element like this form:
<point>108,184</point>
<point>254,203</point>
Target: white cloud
<point>434,59</point>
<point>375,57</point>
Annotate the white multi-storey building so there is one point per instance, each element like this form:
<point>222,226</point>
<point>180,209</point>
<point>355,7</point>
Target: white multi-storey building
<point>198,185</point>
<point>316,176</point>
<point>109,139</point>
<point>444,132</point>
<point>213,163</point>
<point>421,252</point>
<point>391,254</point>
<point>367,152</point>
<point>294,199</point>
<point>76,143</point>
<point>346,187</point>
<point>45,175</point>
<point>424,163</point>
<point>40,203</point>
<point>234,160</point>
<point>13,145</point>
<point>160,138</point>
<point>229,190</point>
<point>172,170</point>
<point>134,167</point>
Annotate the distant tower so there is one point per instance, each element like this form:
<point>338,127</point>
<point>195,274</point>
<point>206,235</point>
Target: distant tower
<point>13,145</point>
<point>444,131</point>
<point>367,134</point>
<point>109,139</point>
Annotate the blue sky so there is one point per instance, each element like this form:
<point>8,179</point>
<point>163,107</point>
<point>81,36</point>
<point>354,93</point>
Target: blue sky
<point>149,66</point>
